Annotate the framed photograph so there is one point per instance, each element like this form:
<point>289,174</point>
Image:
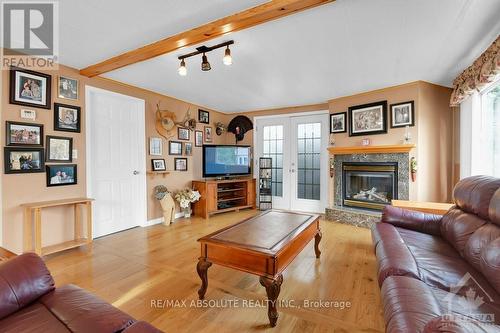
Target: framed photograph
<point>68,88</point>
<point>203,116</point>
<point>198,138</point>
<point>338,122</point>
<point>402,114</point>
<point>61,175</point>
<point>208,134</point>
<point>155,146</point>
<point>28,114</point>
<point>59,149</point>
<point>183,133</point>
<point>66,118</point>
<point>23,134</point>
<point>368,119</point>
<point>181,163</point>
<point>174,148</point>
<point>158,164</point>
<point>23,160</point>
<point>30,88</point>
<point>188,149</point>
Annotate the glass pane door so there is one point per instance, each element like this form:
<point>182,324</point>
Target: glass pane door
<point>309,160</point>
<point>273,148</point>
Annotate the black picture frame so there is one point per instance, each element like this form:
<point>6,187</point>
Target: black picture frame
<point>188,149</point>
<point>66,167</point>
<point>7,160</point>
<point>411,117</point>
<point>8,137</point>
<point>58,126</point>
<point>170,146</point>
<point>49,149</point>
<point>382,105</point>
<point>185,131</point>
<point>332,116</point>
<point>203,116</point>
<point>13,99</point>
<point>178,159</point>
<point>153,165</point>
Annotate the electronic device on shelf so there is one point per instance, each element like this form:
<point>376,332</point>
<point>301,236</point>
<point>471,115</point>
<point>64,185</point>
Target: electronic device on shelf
<point>226,161</point>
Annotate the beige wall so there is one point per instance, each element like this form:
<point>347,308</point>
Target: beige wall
<point>431,133</point>
<point>22,188</point>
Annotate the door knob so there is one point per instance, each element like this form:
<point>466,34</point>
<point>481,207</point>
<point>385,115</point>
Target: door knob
<point>135,172</point>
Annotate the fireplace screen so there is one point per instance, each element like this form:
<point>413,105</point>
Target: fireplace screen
<point>369,185</point>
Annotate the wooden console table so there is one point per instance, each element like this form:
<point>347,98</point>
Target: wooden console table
<point>34,209</point>
<point>426,207</point>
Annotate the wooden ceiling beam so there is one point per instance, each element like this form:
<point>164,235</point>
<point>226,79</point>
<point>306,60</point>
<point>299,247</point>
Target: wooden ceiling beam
<point>268,11</point>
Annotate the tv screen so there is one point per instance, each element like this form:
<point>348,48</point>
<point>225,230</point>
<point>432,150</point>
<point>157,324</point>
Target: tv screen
<point>221,160</point>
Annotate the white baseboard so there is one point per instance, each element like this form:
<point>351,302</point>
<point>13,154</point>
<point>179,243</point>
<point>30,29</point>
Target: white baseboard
<point>160,219</point>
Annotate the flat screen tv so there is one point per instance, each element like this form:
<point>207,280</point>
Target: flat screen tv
<point>226,160</point>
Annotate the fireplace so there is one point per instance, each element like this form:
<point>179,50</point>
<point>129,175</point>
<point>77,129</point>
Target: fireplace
<point>369,185</point>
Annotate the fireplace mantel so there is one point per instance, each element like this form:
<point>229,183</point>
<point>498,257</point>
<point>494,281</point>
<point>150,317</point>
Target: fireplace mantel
<point>371,149</point>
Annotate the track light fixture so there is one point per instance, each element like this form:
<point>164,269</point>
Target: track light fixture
<point>205,65</point>
<point>182,68</point>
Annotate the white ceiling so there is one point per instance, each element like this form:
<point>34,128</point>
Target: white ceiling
<point>338,49</point>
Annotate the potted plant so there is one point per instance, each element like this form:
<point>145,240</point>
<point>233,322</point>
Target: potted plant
<point>185,198</point>
<point>413,169</point>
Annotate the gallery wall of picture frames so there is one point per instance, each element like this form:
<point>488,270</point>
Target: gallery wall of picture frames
<point>27,149</point>
<point>372,118</point>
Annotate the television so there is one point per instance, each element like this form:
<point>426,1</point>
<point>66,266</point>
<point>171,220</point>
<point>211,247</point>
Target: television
<point>226,160</point>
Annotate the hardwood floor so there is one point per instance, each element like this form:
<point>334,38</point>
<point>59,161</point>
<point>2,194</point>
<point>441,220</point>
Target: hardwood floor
<point>141,269</point>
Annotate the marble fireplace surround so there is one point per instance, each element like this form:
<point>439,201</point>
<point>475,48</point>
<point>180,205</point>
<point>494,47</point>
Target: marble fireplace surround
<point>402,159</point>
<point>387,153</point>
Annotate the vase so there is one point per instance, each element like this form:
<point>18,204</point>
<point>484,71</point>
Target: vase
<point>187,212</point>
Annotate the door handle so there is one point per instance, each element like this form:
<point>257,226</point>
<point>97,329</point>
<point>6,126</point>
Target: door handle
<point>135,172</point>
<point>292,170</point>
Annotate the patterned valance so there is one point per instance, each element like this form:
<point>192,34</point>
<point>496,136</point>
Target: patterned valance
<point>484,70</point>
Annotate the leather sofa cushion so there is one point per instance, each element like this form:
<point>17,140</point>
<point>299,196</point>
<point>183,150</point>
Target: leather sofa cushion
<point>409,304</point>
<point>393,256</point>
<point>34,318</point>
<point>477,243</point>
<point>457,227</point>
<point>23,279</point>
<point>473,194</point>
<point>494,209</point>
<point>453,324</point>
<point>82,312</point>
<point>490,263</point>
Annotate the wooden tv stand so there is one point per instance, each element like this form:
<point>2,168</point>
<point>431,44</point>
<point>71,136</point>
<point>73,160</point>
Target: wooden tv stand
<point>220,196</point>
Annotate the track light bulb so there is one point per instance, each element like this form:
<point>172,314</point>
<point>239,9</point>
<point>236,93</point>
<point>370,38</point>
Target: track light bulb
<point>182,68</point>
<point>227,60</point>
<point>205,65</point>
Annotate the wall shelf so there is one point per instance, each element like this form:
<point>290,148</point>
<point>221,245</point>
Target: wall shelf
<point>371,149</point>
<point>157,173</point>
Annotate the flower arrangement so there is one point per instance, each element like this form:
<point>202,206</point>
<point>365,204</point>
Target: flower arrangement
<point>186,197</point>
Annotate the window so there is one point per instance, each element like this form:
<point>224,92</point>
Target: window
<point>273,148</point>
<point>490,133</point>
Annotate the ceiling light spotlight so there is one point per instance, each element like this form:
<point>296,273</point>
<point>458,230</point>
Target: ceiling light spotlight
<point>182,68</point>
<point>205,65</point>
<point>227,60</point>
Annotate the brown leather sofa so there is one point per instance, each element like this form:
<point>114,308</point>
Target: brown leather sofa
<point>29,302</point>
<point>442,273</point>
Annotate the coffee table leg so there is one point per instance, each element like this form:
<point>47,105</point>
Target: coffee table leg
<point>273,287</point>
<point>317,239</point>
<point>202,269</point>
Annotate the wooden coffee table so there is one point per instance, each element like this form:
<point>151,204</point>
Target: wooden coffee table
<point>263,245</point>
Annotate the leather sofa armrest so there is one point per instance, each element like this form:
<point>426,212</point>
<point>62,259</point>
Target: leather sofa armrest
<point>141,327</point>
<point>23,279</point>
<point>452,324</point>
<point>412,220</point>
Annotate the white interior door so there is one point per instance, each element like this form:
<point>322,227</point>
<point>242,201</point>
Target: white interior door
<point>116,165</point>
<point>297,145</point>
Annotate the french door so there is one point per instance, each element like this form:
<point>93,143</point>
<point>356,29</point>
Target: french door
<point>116,165</point>
<point>297,146</point>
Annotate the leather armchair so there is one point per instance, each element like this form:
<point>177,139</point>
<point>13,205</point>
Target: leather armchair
<point>29,302</point>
